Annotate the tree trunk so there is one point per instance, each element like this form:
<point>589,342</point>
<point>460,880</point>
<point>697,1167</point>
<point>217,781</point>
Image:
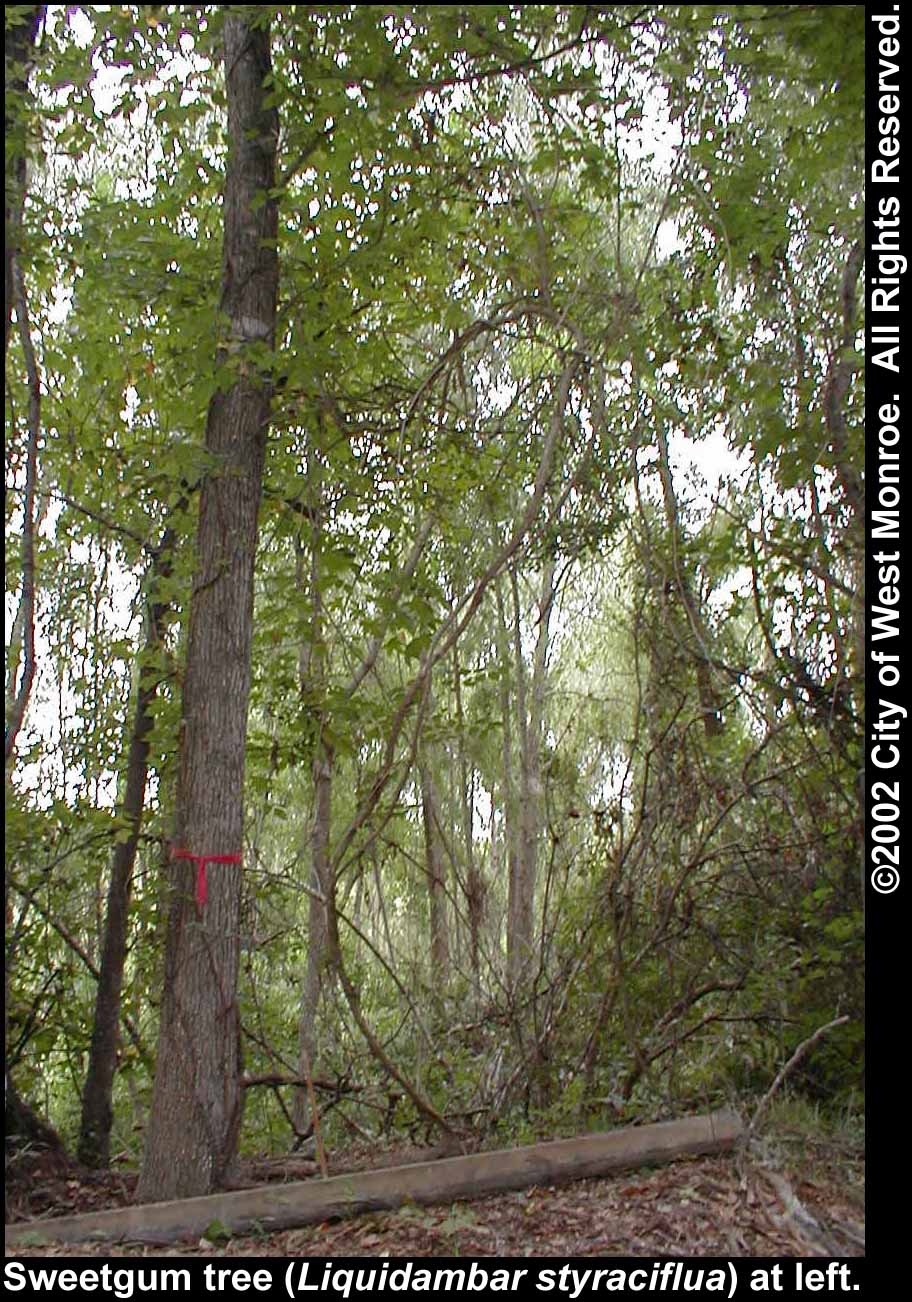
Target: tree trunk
<point>94,1148</point>
<point>311,682</point>
<point>317,932</point>
<point>25,1130</point>
<point>508,786</point>
<point>530,715</point>
<point>18,43</point>
<point>474,882</point>
<point>196,1105</point>
<point>698,640</point>
<point>435,867</point>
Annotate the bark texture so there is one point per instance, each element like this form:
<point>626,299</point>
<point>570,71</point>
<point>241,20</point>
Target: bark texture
<point>196,1107</point>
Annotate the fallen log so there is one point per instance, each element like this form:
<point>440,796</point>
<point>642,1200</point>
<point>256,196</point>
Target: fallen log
<point>287,1206</point>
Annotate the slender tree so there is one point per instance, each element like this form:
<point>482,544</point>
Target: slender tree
<point>435,861</point>
<point>20,34</point>
<point>312,686</point>
<point>530,703</point>
<point>97,1111</point>
<point>196,1108</point>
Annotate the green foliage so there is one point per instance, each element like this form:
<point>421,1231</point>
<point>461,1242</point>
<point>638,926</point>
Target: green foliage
<point>472,199</point>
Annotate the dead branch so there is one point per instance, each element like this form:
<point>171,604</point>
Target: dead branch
<point>278,1207</point>
<point>796,1057</point>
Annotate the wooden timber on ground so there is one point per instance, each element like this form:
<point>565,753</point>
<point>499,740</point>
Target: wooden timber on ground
<point>287,1206</point>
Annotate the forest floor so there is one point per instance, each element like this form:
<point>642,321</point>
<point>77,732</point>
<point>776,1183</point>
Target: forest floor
<point>791,1195</point>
